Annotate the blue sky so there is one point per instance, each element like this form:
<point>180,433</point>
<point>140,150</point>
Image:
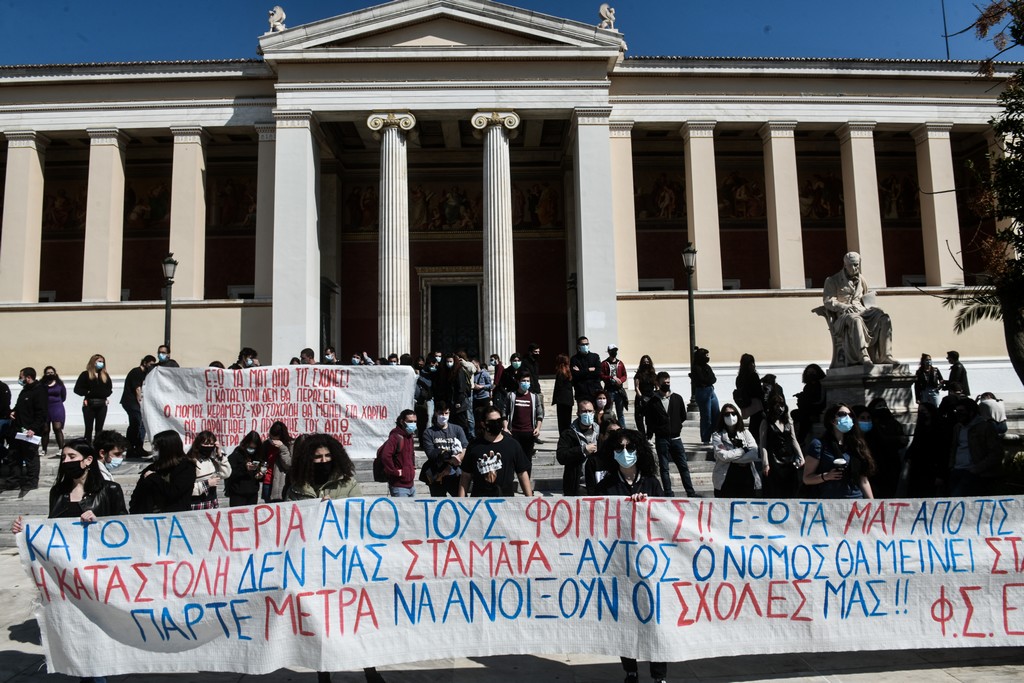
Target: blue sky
<point>62,31</point>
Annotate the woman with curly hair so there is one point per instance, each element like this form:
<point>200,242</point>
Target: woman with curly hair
<point>839,464</point>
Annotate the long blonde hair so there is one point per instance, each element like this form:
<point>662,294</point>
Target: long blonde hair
<point>93,372</point>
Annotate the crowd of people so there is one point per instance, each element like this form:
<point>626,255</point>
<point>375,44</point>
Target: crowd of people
<point>478,424</point>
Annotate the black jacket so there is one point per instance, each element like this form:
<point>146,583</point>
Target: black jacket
<point>107,501</point>
<point>32,410</point>
<point>93,388</point>
<point>5,401</point>
<point>668,424</point>
<point>242,482</point>
<point>614,485</point>
<point>586,382</point>
<point>166,491</point>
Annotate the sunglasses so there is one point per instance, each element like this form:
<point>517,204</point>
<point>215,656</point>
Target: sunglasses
<point>843,414</point>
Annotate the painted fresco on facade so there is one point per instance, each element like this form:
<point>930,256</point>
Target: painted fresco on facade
<point>659,198</point>
<point>231,202</point>
<point>454,206</point>
<point>147,202</point>
<point>821,193</point>
<point>741,196</point>
<point>64,203</point>
<point>898,195</point>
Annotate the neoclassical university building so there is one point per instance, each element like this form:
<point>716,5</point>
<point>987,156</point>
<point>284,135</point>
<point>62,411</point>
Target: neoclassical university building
<point>465,174</point>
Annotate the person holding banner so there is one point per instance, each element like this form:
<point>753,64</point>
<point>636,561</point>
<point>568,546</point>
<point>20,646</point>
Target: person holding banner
<point>166,484</point>
<point>633,473</point>
<point>81,491</point>
<point>211,470</point>
<point>277,456</point>
<point>839,464</point>
<point>493,462</point>
<point>321,469</point>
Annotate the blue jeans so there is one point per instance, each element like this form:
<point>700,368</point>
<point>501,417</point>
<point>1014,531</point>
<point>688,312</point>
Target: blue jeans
<point>402,492</point>
<point>620,407</point>
<point>673,448</point>
<point>707,404</point>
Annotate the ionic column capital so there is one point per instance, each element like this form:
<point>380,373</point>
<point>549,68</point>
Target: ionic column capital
<point>26,139</point>
<point>856,129</point>
<point>482,119</point>
<point>698,129</point>
<point>267,132</point>
<point>189,135</point>
<point>107,136</point>
<point>777,129</point>
<point>402,120</point>
<point>931,130</point>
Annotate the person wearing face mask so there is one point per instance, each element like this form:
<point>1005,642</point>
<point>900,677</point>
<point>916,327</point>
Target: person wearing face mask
<point>322,470</point>
<point>526,415</point>
<point>56,394</point>
<point>423,397</point>
<point>508,382</point>
<point>243,484</point>
<point>81,492</point>
<point>95,388</point>
<point>782,461</point>
<point>885,451</point>
<point>576,445</point>
<point>736,456</point>
<point>494,462</point>
<point>247,358</point>
<point>561,395</point>
<point>131,401</point>
<point>586,371</point>
<point>28,418</point>
<point>497,371</point>
<point>613,374</point>
<point>110,447</point>
<point>166,484</point>
<point>445,445</point>
<point>632,472</point>
<point>163,357</point>
<point>211,469</point>
<point>703,378</point>
<point>482,387</point>
<point>843,441</point>
<point>531,363</point>
<point>666,412</point>
<point>927,381</point>
<point>975,454</point>
<point>457,378</point>
<point>645,381</point>
<point>330,356</point>
<point>601,407</point>
<point>398,458</point>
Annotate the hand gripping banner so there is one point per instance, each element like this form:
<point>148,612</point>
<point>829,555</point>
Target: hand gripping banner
<point>357,582</point>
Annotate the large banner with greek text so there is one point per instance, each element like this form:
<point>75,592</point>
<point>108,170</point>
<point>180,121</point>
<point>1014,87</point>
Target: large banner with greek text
<point>357,405</point>
<point>363,581</point>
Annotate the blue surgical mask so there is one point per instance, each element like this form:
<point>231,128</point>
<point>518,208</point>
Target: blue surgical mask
<point>442,420</point>
<point>516,364</point>
<point>115,463</point>
<point>586,419</point>
<point>162,356</point>
<point>525,386</point>
<point>410,427</point>
<point>450,364</point>
<point>584,348</point>
<point>625,458</point>
<point>249,362</point>
<point>100,364</point>
<point>21,382</point>
<point>864,426</point>
<point>250,451</point>
<point>844,424</point>
<point>355,361</point>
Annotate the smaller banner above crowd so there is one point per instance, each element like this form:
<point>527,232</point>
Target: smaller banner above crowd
<point>357,405</point>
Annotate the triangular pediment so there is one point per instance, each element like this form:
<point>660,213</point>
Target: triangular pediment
<point>411,26</point>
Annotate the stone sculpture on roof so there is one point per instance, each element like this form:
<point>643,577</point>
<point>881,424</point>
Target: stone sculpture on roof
<point>276,19</point>
<point>607,16</point>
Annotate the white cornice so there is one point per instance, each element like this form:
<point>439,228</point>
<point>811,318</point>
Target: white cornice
<point>374,86</point>
<point>503,53</point>
<point>810,68</point>
<point>802,99</point>
<point>98,73</point>
<point>135,106</point>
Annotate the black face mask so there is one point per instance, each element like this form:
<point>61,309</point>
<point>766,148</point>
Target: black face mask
<point>493,427</point>
<point>321,473</point>
<point>205,451</point>
<point>72,468</point>
<point>667,388</point>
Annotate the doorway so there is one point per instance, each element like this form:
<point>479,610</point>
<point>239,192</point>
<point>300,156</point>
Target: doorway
<point>455,318</point>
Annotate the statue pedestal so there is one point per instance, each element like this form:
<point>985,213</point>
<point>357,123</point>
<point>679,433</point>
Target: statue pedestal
<point>859,385</point>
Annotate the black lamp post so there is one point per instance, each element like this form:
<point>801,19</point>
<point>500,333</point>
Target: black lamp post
<point>169,265</point>
<point>690,263</point>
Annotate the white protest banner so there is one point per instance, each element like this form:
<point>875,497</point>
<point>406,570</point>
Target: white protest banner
<point>365,581</point>
<point>357,405</point>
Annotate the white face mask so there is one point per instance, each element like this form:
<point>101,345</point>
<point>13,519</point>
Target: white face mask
<point>730,420</point>
<point>442,420</point>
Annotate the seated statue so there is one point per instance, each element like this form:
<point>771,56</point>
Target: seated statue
<point>862,333</point>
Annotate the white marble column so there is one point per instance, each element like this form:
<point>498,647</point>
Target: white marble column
<point>592,165</point>
<point>393,307</point>
<point>627,278</point>
<point>21,242</point>
<point>785,241</point>
<point>296,308</point>
<point>702,226</point>
<point>499,293</point>
<point>104,216</point>
<point>860,197</point>
<point>940,224</point>
<point>264,281</point>
<point>188,212</point>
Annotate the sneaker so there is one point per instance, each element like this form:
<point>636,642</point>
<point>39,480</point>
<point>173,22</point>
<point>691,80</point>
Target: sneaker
<point>694,494</point>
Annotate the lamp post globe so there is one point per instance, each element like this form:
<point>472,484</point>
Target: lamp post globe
<point>169,266</point>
